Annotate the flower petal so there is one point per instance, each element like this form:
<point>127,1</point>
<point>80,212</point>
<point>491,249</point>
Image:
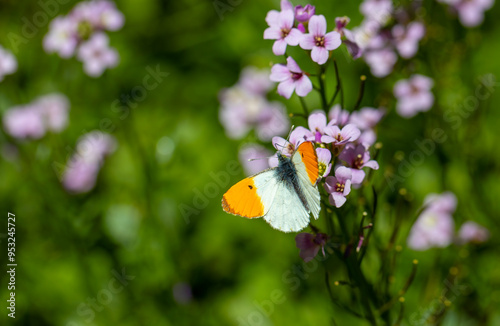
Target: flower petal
<point>286,88</point>
<point>357,176</point>
<point>294,36</point>
<point>307,42</point>
<point>317,25</point>
<point>338,199</point>
<point>279,47</point>
<point>303,86</point>
<point>371,164</point>
<point>292,65</point>
<point>272,33</point>
<point>343,173</point>
<point>317,121</point>
<point>350,132</point>
<point>279,73</point>
<point>319,55</point>
<point>332,40</point>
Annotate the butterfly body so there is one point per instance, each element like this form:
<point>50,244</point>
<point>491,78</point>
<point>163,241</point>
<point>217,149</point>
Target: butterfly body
<point>284,196</point>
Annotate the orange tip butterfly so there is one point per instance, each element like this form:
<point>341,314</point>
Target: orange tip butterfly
<point>284,196</point>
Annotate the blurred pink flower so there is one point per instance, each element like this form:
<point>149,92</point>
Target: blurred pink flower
<point>338,116</point>
<point>259,156</point>
<point>434,227</point>
<point>82,169</point>
<point>341,23</point>
<point>406,38</point>
<point>324,161</point>
<point>470,12</point>
<point>471,232</point>
<point>381,61</point>
<point>62,37</point>
<point>101,14</point>
<point>255,81</point>
<point>54,110</point>
<point>357,157</point>
<point>318,40</point>
<point>366,118</point>
<point>24,122</point>
<point>96,55</point>
<point>303,14</point>
<point>283,32</point>
<point>445,202</point>
<point>273,120</point>
<point>414,95</point>
<point>377,10</point>
<point>309,244</point>
<point>290,78</point>
<point>339,186</point>
<point>8,63</point>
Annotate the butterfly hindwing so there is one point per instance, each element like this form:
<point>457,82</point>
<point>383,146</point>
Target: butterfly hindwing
<point>306,164</point>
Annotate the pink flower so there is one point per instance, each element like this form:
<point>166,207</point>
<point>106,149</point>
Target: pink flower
<point>471,232</point>
<point>81,172</point>
<point>381,61</point>
<point>378,10</point>
<point>96,55</point>
<point>283,32</point>
<point>310,244</point>
<point>54,110</point>
<point>272,17</point>
<point>357,157</point>
<point>317,125</point>
<point>339,186</point>
<point>257,154</point>
<point>407,38</point>
<point>255,81</point>
<point>100,14</point>
<point>471,12</point>
<point>24,122</point>
<point>366,118</point>
<point>341,23</point>
<point>290,78</point>
<point>434,227</point>
<point>338,116</point>
<point>445,202</point>
<point>319,41</point>
<point>297,137</point>
<point>8,63</point>
<point>339,137</point>
<point>62,37</point>
<point>324,161</point>
<point>414,95</point>
<point>303,14</point>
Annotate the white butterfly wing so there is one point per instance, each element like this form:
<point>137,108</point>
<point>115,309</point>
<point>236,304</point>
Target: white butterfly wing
<point>310,190</point>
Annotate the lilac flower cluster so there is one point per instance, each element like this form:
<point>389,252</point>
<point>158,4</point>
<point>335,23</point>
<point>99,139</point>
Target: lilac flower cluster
<point>470,12</point>
<point>435,226</point>
<point>33,120</point>
<point>300,26</point>
<point>338,145</point>
<point>82,32</point>
<point>378,39</point>
<point>83,167</point>
<point>414,95</point>
<point>8,63</point>
<point>244,107</point>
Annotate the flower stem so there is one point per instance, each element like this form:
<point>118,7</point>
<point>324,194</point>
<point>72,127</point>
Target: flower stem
<point>361,92</point>
<point>304,106</point>
<point>322,88</point>
<point>339,87</point>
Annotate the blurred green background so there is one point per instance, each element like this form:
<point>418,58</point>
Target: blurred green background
<point>211,268</point>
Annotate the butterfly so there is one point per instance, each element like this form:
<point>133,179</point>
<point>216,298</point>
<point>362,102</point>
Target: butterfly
<point>284,196</point>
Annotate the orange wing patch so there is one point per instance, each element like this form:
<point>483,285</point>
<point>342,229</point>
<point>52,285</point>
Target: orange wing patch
<point>308,155</point>
<point>242,199</point>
